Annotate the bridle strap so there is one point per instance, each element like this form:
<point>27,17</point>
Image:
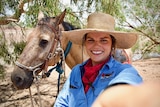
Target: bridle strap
<point>30,68</point>
<point>53,48</point>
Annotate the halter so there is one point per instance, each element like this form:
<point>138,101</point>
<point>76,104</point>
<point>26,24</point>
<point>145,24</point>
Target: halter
<point>56,48</point>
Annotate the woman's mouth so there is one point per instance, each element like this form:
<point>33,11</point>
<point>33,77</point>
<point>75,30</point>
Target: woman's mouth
<point>96,52</point>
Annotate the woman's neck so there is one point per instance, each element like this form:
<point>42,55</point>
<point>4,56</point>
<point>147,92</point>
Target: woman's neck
<point>93,63</point>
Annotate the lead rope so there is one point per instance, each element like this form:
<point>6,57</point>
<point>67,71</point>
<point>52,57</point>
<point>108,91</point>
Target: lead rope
<point>60,67</point>
<point>37,86</point>
<point>39,97</point>
<point>59,49</point>
<point>30,94</point>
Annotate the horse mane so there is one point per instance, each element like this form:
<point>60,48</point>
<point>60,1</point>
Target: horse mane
<point>68,26</point>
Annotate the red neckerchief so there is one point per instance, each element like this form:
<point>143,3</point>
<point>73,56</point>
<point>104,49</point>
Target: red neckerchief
<point>90,74</point>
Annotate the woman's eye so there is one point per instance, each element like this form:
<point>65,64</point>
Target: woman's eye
<point>90,40</point>
<point>43,43</point>
<point>104,41</point>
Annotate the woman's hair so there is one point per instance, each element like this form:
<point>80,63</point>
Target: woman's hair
<point>113,42</point>
<point>84,37</point>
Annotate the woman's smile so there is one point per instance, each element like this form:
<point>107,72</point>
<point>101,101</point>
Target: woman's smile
<point>96,52</point>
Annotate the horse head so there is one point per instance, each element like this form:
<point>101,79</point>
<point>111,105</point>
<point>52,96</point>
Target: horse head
<point>40,48</point>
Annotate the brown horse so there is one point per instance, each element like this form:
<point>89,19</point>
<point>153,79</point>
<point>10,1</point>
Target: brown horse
<point>40,50</point>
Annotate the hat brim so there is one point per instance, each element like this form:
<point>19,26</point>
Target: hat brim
<point>124,40</point>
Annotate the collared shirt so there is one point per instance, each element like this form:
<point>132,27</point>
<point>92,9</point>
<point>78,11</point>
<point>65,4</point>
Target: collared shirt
<point>113,72</point>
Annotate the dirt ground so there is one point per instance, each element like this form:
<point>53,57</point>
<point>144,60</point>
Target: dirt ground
<point>149,69</point>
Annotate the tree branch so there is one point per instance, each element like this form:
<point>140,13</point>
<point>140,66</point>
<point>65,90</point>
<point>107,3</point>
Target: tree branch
<point>7,20</point>
<point>155,42</point>
<point>14,18</point>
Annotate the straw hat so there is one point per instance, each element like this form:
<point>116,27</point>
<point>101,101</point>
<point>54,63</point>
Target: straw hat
<point>100,22</point>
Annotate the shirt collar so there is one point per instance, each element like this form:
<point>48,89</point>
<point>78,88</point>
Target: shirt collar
<point>109,64</point>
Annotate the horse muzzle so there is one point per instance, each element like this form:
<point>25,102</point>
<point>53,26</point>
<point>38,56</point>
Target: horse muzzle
<point>22,79</point>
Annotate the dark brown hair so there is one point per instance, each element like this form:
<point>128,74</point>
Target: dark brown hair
<point>113,42</point>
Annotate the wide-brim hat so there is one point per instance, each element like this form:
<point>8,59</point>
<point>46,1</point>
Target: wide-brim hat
<point>100,22</point>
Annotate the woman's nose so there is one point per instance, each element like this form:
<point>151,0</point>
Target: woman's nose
<point>97,43</point>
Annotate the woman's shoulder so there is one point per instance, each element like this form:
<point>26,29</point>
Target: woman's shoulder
<point>78,66</point>
<point>119,67</point>
<point>116,64</point>
<point>76,69</point>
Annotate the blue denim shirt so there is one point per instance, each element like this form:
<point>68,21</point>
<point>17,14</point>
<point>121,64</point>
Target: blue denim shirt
<point>113,72</point>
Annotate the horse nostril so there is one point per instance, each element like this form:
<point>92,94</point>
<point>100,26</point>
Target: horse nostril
<point>21,79</point>
<point>18,81</point>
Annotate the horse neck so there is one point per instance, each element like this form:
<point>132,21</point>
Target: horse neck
<point>75,55</point>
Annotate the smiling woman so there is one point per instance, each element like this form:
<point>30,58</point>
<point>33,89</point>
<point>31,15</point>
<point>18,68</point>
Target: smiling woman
<point>101,70</point>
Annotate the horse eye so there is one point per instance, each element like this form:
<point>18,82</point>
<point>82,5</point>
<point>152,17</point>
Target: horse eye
<point>43,43</point>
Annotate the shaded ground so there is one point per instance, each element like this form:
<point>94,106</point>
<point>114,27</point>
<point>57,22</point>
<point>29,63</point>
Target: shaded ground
<point>149,69</point>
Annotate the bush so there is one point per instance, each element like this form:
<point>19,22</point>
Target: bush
<point>6,55</point>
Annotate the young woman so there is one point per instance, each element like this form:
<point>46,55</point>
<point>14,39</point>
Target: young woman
<point>101,70</point>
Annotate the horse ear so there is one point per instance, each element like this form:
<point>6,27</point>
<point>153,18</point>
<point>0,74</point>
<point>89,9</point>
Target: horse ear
<point>40,15</point>
<point>61,17</point>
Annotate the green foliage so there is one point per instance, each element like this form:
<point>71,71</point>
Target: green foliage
<point>4,53</point>
<point>2,71</point>
<point>9,4</point>
<point>143,17</point>
<point>18,48</point>
<point>135,47</point>
<point>7,56</point>
<point>49,7</point>
<point>158,49</point>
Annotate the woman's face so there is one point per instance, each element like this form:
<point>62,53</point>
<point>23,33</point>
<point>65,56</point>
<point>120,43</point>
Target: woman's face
<point>98,46</point>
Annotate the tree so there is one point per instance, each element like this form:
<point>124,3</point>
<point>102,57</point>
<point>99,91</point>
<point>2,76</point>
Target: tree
<point>76,9</point>
<point>145,19</point>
